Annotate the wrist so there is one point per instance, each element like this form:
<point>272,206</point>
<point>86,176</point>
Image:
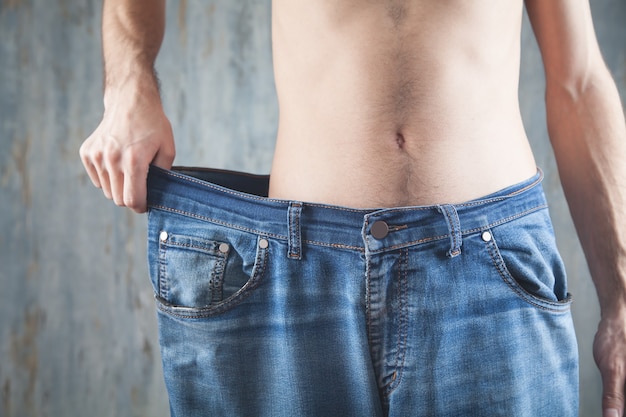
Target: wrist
<point>613,305</point>
<point>136,87</point>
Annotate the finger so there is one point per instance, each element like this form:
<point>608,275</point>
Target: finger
<point>92,173</point>
<point>135,187</point>
<point>613,394</point>
<point>105,183</point>
<point>89,166</point>
<point>117,186</point>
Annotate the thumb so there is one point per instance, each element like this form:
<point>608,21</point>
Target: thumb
<point>613,395</point>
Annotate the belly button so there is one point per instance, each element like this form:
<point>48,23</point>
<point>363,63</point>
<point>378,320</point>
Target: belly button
<point>400,140</point>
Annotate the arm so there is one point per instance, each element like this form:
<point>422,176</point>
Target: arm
<point>134,131</point>
<point>588,134</point>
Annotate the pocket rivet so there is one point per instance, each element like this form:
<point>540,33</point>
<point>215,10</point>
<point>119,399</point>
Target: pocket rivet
<point>224,248</point>
<point>263,243</point>
<point>486,236</point>
<point>163,236</point>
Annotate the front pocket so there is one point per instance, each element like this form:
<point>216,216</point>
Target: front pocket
<point>201,274</point>
<point>525,256</point>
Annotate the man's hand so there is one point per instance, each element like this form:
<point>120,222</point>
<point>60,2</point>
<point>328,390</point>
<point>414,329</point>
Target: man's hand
<point>133,134</point>
<point>134,131</point>
<point>609,351</point>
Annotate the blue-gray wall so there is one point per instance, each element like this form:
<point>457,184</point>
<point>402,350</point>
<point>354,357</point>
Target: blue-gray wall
<point>77,321</point>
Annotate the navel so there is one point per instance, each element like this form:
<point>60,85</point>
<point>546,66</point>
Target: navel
<point>400,140</point>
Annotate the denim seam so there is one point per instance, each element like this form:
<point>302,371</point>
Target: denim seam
<point>454,226</point>
<point>258,198</point>
<point>294,243</point>
<point>341,246</point>
<point>509,280</point>
<point>335,245</point>
<point>245,229</point>
<point>210,251</point>
<point>368,307</point>
<point>216,280</point>
<point>163,284</point>
<point>214,187</point>
<point>414,242</point>
<point>401,293</point>
<point>221,223</point>
<point>232,302</point>
<point>252,196</point>
<point>506,219</point>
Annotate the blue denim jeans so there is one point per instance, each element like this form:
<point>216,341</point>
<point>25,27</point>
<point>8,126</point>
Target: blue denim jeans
<point>285,308</point>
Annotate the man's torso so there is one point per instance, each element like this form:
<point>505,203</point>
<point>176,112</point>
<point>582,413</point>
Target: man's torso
<point>397,102</point>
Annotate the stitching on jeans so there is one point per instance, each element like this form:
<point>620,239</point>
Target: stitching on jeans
<point>163,282</point>
<point>342,246</point>
<point>401,293</point>
<point>506,219</point>
<point>334,245</point>
<point>213,186</point>
<point>211,220</point>
<point>245,229</point>
<point>452,218</point>
<point>212,251</point>
<point>295,246</point>
<point>252,196</point>
<point>554,307</point>
<point>368,301</point>
<point>414,242</point>
<point>245,291</point>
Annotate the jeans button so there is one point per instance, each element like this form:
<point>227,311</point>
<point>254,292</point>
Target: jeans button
<point>379,229</point>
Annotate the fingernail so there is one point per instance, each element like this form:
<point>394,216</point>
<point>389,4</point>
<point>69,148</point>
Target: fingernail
<point>610,412</point>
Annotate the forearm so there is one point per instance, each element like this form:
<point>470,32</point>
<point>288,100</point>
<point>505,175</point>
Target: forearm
<point>588,133</point>
<point>134,131</point>
<point>132,33</point>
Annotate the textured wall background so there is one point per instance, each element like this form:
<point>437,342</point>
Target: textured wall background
<point>77,324</point>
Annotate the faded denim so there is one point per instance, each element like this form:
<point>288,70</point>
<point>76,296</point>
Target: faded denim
<point>284,308</point>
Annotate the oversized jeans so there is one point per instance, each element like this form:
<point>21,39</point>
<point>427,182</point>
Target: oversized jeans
<point>285,308</point>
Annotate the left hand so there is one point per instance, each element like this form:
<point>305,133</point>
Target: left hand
<point>609,351</point>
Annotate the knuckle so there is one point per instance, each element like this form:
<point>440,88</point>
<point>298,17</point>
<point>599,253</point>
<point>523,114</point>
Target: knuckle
<point>135,202</point>
<point>97,156</point>
<point>133,159</point>
<point>112,154</point>
<point>82,151</point>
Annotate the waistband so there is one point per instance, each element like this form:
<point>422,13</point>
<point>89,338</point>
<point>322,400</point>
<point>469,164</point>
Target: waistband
<point>239,200</point>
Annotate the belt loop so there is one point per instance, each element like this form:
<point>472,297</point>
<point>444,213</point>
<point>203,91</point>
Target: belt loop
<point>295,242</point>
<point>454,229</point>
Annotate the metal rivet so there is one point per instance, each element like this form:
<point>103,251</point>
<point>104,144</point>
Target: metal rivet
<point>163,236</point>
<point>224,247</point>
<point>380,229</point>
<point>486,236</point>
<point>263,243</point>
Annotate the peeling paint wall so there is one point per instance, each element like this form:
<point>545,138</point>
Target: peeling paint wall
<point>77,321</point>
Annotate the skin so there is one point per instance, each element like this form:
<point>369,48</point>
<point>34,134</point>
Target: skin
<point>397,102</point>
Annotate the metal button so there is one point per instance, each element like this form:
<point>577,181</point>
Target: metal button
<point>224,247</point>
<point>163,236</point>
<point>486,236</point>
<point>263,243</point>
<point>379,229</point>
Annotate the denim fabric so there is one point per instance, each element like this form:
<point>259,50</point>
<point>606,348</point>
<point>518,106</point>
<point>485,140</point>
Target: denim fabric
<point>285,308</point>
